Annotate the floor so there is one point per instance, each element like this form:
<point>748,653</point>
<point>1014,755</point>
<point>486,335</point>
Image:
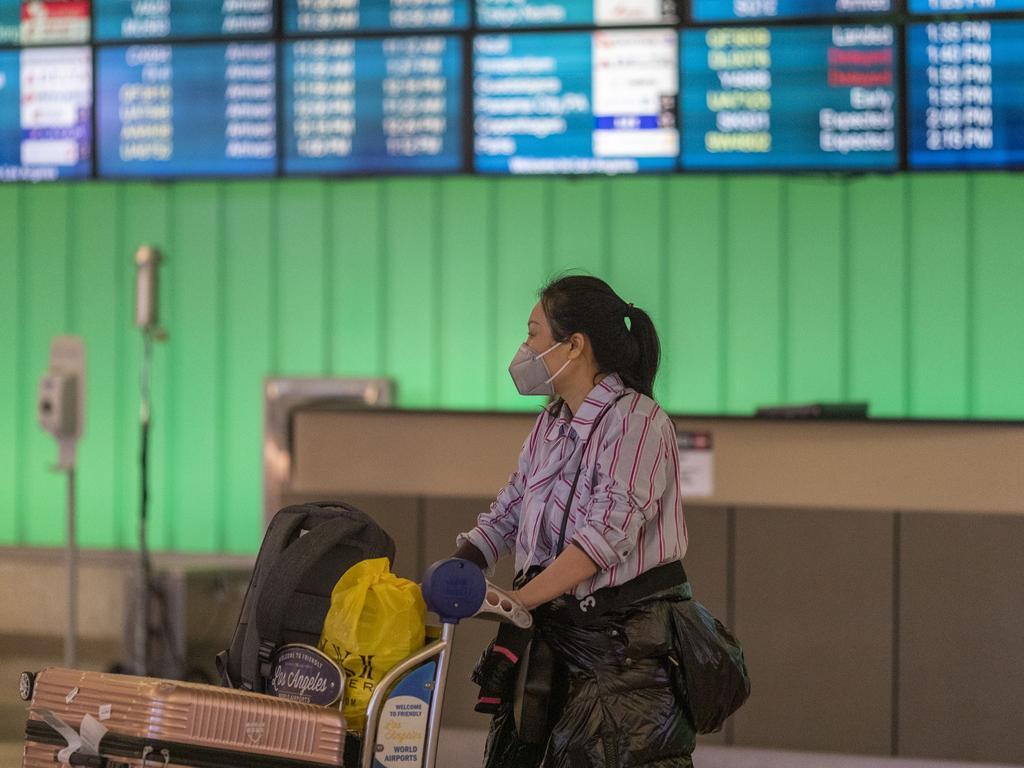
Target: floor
<point>463,748</point>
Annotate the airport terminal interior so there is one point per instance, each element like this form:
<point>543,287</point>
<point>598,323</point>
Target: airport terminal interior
<point>388,265</point>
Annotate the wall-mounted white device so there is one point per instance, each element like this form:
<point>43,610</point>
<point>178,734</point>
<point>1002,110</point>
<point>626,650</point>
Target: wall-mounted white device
<point>61,402</point>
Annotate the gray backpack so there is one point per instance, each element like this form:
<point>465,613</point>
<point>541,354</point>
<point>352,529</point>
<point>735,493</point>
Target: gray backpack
<point>306,549</point>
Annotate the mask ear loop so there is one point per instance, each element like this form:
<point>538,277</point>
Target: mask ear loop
<point>553,346</point>
<point>552,377</point>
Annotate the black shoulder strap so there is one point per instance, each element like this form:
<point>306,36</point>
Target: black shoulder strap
<point>575,481</point>
<point>263,633</point>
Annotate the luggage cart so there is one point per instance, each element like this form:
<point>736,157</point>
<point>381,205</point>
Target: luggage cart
<point>402,726</point>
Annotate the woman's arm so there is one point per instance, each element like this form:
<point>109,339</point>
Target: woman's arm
<point>568,571</point>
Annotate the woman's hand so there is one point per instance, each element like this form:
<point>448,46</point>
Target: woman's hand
<point>469,552</point>
<point>517,596</point>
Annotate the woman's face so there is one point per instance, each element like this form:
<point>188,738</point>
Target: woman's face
<point>538,331</point>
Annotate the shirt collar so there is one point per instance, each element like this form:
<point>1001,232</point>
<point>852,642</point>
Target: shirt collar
<point>609,388</point>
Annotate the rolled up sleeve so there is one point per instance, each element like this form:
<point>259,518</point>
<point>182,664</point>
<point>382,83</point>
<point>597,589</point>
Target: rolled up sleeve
<point>630,477</point>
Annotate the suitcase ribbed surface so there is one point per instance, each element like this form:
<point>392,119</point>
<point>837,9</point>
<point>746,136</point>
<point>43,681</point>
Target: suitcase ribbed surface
<point>193,714</point>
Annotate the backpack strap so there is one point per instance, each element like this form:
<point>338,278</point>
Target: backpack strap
<point>263,633</point>
<point>281,530</point>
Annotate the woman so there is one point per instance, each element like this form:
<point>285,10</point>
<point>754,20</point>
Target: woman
<point>600,571</point>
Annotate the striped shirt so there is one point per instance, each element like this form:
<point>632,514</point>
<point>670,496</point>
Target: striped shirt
<point>628,512</point>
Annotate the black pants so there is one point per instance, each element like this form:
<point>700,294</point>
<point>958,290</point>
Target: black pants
<point>614,704</point>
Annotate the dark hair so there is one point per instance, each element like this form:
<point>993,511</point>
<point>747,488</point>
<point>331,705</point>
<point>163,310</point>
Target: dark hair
<point>622,336</point>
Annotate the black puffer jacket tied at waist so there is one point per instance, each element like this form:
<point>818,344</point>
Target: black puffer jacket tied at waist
<point>613,704</point>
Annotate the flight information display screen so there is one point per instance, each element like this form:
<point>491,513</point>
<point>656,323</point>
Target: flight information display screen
<point>373,105</point>
<point>35,22</point>
<point>966,94</point>
<point>576,102</point>
<point>601,13</point>
<point>324,16</point>
<point>187,110</point>
<point>168,19</point>
<point>799,98</point>
<point>754,10</point>
<point>964,6</point>
<point>45,114</point>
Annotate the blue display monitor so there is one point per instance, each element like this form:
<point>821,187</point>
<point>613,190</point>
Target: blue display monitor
<point>170,19</point>
<point>373,105</point>
<point>756,10</point>
<point>187,110</point>
<point>966,100</point>
<point>45,114</point>
<point>507,14</point>
<point>576,102</point>
<point>326,16</point>
<point>790,98</point>
<point>964,6</point>
<point>44,22</point>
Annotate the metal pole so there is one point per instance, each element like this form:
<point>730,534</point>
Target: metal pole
<point>71,636</point>
<point>142,607</point>
<point>437,700</point>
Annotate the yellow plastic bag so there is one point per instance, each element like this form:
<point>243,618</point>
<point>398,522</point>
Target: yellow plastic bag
<point>376,619</point>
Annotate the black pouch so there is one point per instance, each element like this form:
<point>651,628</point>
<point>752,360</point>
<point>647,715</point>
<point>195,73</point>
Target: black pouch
<point>709,672</point>
<point>533,699</point>
<point>497,668</point>
<point>534,706</point>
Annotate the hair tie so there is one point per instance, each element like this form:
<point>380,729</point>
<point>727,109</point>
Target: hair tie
<point>629,309</point>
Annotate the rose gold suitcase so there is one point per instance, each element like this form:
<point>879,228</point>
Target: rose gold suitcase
<point>155,723</point>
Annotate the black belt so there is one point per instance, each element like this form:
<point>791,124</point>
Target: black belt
<point>569,610</point>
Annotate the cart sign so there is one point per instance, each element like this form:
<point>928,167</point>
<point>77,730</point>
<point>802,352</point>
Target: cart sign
<point>302,673</point>
<point>401,735</point>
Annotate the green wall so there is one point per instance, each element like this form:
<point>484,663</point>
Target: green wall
<point>902,290</point>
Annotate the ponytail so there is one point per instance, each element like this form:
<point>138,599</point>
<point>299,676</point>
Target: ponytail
<point>621,335</point>
<point>645,336</point>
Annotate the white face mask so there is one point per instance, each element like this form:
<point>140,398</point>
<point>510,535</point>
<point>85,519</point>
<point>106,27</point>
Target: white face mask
<point>529,372</point>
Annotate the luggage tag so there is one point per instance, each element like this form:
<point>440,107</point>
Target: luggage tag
<point>305,674</point>
<point>71,737</point>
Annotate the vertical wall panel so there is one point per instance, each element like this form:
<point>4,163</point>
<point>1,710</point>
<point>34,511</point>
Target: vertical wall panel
<point>579,216</point>
<point>821,674</point>
<point>940,259</point>
<point>194,480</point>
<point>248,338</point>
<point>300,280</point>
<point>46,214</point>
<point>520,247</point>
<point>355,309</point>
<point>753,293</point>
<point>692,335</point>
<point>146,215</point>
<point>13,398</point>
<point>95,260</point>
<point>997,303</point>
<point>465,341</point>
<point>412,258</point>
<point>877,339</point>
<point>815,297</point>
